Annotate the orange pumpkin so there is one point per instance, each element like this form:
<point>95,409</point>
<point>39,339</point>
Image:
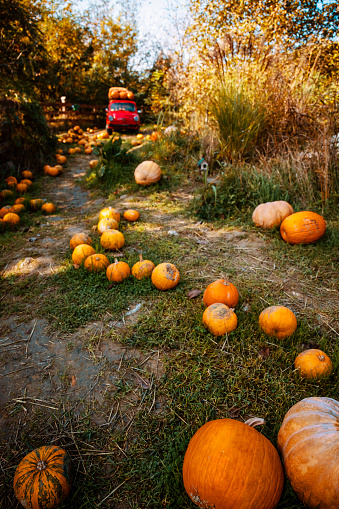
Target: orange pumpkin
<point>52,171</point>
<point>107,223</point>
<point>278,321</point>
<point>22,188</point>
<point>27,182</point>
<point>46,168</point>
<point>6,193</point>
<point>81,252</point>
<point>309,443</point>
<point>26,174</point>
<point>88,150</point>
<point>12,219</point>
<point>118,271</point>
<point>93,163</point>
<point>11,179</point>
<point>154,136</point>
<point>229,465</point>
<point>222,291</point>
<point>18,207</point>
<point>37,203</point>
<point>271,214</point>
<point>5,210</point>
<point>148,172</point>
<point>79,238</point>
<point>42,479</point>
<point>165,276</point>
<point>61,159</point>
<point>22,199</point>
<point>48,208</point>
<point>302,228</point>
<point>109,212</point>
<point>142,269</point>
<point>131,215</point>
<point>219,319</point>
<point>313,363</point>
<point>96,263</point>
<point>112,240</point>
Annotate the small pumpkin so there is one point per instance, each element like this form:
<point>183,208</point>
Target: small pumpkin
<point>27,182</point>
<point>313,363</point>
<point>131,215</point>
<point>143,268</point>
<point>46,168</point>
<point>93,163</point>
<point>43,479</point>
<point>154,136</point>
<point>79,238</point>
<point>6,193</point>
<point>26,174</point>
<point>18,208</point>
<point>59,167</point>
<point>48,208</point>
<point>81,252</point>
<point>53,171</point>
<point>11,179</point>
<point>118,271</point>
<point>309,443</point>
<point>22,199</point>
<point>303,228</point>
<point>219,319</point>
<point>165,276</point>
<point>228,464</point>
<point>6,210</point>
<point>61,159</point>
<point>107,223</point>
<point>112,240</point>
<point>109,212</point>
<point>88,150</point>
<point>71,151</point>
<point>37,203</point>
<point>96,263</point>
<point>12,184</point>
<point>12,219</point>
<point>140,136</point>
<point>222,291</point>
<point>278,321</point>
<point>271,214</point>
<point>148,172</point>
<point>21,188</point>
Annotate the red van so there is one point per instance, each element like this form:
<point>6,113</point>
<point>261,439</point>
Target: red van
<point>122,114</point>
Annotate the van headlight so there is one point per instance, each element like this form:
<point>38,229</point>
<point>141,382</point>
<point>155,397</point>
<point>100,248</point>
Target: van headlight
<point>136,118</point>
<point>110,118</point>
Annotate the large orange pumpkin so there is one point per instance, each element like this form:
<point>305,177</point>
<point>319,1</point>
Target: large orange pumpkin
<point>271,214</point>
<point>222,291</point>
<point>26,174</point>
<point>313,363</point>
<point>278,321</point>
<point>48,208</point>
<point>107,223</point>
<point>219,319</point>
<point>230,465</point>
<point>148,172</point>
<point>309,443</point>
<point>143,268</point>
<point>112,240</point>
<point>12,219</point>
<point>118,271</point>
<point>302,227</point>
<point>81,252</point>
<point>79,238</point>
<point>109,212</point>
<point>37,203</point>
<point>42,479</point>
<point>96,263</point>
<point>165,276</point>
<point>6,210</point>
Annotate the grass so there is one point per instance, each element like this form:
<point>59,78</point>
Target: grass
<point>128,452</point>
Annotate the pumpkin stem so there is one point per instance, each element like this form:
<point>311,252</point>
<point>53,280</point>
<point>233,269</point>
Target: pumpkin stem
<point>115,260</point>
<point>255,421</point>
<point>226,281</point>
<point>140,257</point>
<point>41,465</point>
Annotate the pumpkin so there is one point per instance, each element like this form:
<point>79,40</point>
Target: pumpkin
<point>79,238</point>
<point>271,214</point>
<point>131,215</point>
<point>154,136</point>
<point>302,228</point>
<point>313,363</point>
<point>130,95</point>
<point>5,210</point>
<point>96,263</point>
<point>42,479</point>
<point>219,319</point>
<point>112,240</point>
<point>88,150</point>
<point>81,252</point>
<point>143,268</point>
<point>61,159</point>
<point>59,167</point>
<point>21,188</point>
<point>278,321</point>
<point>71,151</point>
<point>148,172</point>
<point>48,208</point>
<point>107,223</point>
<point>20,200</point>
<point>222,291</point>
<point>165,276</point>
<point>109,212</point>
<point>27,182</point>
<point>11,179</point>
<point>93,163</point>
<point>53,171</point>
<point>26,174</point>
<point>18,207</point>
<point>230,465</point>
<point>140,136</point>
<point>6,193</point>
<point>37,203</point>
<point>309,443</point>
<point>11,184</point>
<point>46,168</point>
<point>12,219</point>
<point>118,271</point>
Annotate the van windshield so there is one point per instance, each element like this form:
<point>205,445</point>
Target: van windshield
<point>122,107</point>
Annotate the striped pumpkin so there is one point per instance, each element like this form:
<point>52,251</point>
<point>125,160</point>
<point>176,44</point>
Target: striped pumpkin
<point>42,479</point>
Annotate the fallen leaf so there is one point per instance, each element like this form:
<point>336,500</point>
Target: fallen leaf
<point>264,353</point>
<point>73,380</point>
<point>234,412</point>
<point>76,266</point>
<point>193,293</point>
<point>111,285</point>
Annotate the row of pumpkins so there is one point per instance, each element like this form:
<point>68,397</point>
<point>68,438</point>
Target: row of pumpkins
<point>227,464</point>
